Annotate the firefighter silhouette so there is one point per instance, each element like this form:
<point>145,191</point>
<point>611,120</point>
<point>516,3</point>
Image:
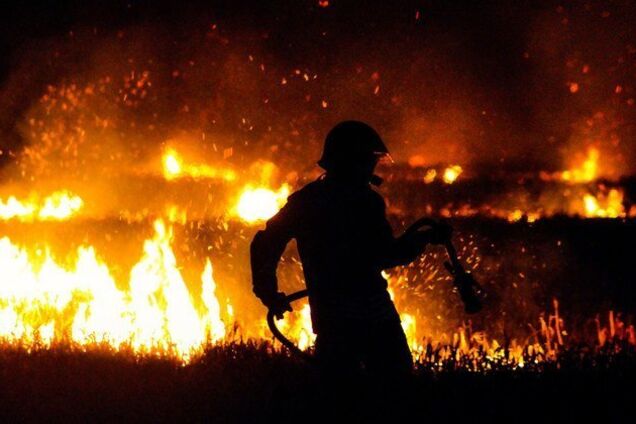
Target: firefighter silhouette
<point>344,241</point>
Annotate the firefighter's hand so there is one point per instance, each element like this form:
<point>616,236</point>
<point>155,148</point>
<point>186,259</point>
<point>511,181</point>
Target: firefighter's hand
<point>440,233</point>
<point>278,305</point>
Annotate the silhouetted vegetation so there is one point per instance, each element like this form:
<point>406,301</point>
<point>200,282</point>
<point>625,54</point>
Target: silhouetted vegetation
<point>247,382</point>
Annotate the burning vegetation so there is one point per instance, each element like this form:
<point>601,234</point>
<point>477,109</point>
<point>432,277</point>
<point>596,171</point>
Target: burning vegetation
<point>131,185</point>
<point>162,303</point>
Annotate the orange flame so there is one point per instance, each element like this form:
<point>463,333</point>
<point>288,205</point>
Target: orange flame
<point>175,167</point>
<point>260,204</point>
<point>587,171</point>
<point>451,173</point>
<point>604,206</point>
<point>44,300</point>
<point>58,206</point>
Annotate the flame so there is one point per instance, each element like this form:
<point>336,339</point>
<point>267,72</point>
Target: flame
<point>14,208</point>
<point>409,325</point>
<point>175,167</point>
<point>171,164</point>
<point>430,175</point>
<point>176,214</point>
<point>260,204</point>
<point>587,171</point>
<point>44,300</point>
<point>58,206</point>
<point>297,325</point>
<point>608,205</point>
<point>451,173</point>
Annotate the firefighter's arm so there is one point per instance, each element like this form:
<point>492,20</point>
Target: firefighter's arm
<point>406,248</point>
<point>403,250</point>
<point>266,250</point>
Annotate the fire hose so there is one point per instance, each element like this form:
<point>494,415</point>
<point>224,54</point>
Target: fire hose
<point>469,290</point>
<point>271,322</point>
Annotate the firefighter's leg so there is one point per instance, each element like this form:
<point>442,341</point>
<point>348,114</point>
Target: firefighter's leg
<point>337,354</point>
<point>390,370</point>
<point>338,360</point>
<point>387,352</point>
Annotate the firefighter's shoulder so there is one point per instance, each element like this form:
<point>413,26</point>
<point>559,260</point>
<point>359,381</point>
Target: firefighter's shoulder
<point>298,197</point>
<point>306,192</point>
<point>308,196</point>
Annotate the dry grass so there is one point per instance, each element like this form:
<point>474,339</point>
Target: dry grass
<point>246,382</point>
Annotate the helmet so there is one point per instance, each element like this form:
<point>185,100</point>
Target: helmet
<point>350,142</point>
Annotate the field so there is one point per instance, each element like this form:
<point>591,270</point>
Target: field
<point>590,370</point>
<point>249,383</point>
<point>144,143</point>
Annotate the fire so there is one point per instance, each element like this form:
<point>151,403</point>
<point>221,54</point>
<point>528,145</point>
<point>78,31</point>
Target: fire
<point>45,300</point>
<point>175,167</point>
<point>451,173</point>
<point>260,204</point>
<point>604,206</point>
<point>409,325</point>
<point>587,171</point>
<point>430,175</point>
<point>518,214</point>
<point>175,213</point>
<point>58,206</point>
<point>171,164</point>
<point>297,325</point>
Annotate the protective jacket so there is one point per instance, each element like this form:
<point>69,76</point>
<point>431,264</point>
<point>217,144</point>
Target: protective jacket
<point>344,241</point>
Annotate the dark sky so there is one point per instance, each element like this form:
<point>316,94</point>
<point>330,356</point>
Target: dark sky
<point>493,83</point>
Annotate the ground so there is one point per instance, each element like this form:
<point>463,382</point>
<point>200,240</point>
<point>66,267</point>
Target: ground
<point>252,383</point>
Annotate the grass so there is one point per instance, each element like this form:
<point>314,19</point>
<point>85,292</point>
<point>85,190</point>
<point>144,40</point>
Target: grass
<point>251,382</point>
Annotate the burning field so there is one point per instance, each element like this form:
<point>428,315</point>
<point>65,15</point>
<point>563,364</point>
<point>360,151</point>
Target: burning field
<point>141,148</point>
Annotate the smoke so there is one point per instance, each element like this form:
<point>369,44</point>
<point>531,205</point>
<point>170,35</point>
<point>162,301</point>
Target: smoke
<point>490,86</point>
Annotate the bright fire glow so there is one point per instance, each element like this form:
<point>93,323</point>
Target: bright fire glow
<point>47,300</point>
<point>430,175</point>
<point>604,206</point>
<point>297,325</point>
<point>171,164</point>
<point>259,204</point>
<point>175,167</point>
<point>587,171</point>
<point>60,205</point>
<point>451,173</point>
